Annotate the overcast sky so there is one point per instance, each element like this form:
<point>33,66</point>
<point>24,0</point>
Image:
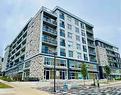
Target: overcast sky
<point>105,15</point>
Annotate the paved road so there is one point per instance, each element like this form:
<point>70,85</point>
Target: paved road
<point>86,91</point>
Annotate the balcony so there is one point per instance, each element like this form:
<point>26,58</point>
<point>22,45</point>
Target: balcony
<point>109,54</point>
<point>50,21</point>
<point>89,31</point>
<point>92,53</point>
<point>91,45</point>
<point>50,31</point>
<point>47,51</point>
<point>49,41</point>
<point>93,60</point>
<point>90,38</point>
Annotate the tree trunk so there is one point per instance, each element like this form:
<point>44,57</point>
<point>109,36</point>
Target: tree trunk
<point>107,80</point>
<point>84,82</point>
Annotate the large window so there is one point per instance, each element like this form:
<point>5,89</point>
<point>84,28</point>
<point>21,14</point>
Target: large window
<point>77,37</point>
<point>71,64</point>
<point>48,61</point>
<point>61,62</point>
<point>70,53</point>
<point>62,52</point>
<point>79,55</point>
<point>62,42</point>
<point>62,24</point>
<point>70,44</point>
<point>44,49</point>
<point>76,29</point>
<point>82,25</point>
<point>84,48</point>
<point>69,18</point>
<point>83,40</point>
<point>82,32</point>
<point>62,33</point>
<point>69,26</point>
<point>78,46</point>
<point>85,57</point>
<point>61,15</point>
<point>69,35</point>
<point>76,22</point>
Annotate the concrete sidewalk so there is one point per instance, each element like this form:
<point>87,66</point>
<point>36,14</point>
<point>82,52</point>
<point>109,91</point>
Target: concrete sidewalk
<point>23,90</point>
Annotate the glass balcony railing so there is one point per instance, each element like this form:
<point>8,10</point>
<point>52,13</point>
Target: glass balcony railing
<point>93,60</point>
<point>49,30</point>
<point>50,41</point>
<point>49,20</point>
<point>47,51</point>
<point>90,38</point>
<point>90,44</point>
<point>89,31</point>
<point>92,52</point>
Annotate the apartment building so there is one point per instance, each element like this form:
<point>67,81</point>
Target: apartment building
<point>1,63</point>
<point>108,54</point>
<point>31,54</point>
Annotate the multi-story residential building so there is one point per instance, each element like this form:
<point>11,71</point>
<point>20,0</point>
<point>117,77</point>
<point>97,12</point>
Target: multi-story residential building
<point>1,63</point>
<point>48,32</point>
<point>108,54</point>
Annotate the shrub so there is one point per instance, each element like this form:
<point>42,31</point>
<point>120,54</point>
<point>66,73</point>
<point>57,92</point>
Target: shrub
<point>6,78</point>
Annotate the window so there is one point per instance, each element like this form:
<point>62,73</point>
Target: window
<point>48,61</point>
<point>78,46</point>
<point>77,38</point>
<point>27,64</point>
<point>69,18</point>
<point>70,53</point>
<point>70,44</point>
<point>76,30</point>
<point>44,49</point>
<point>61,15</point>
<point>82,25</point>
<point>83,40</point>
<point>69,26</point>
<point>62,24</point>
<point>62,33</point>
<point>79,55</point>
<point>83,33</point>
<point>76,22</point>
<point>71,64</point>
<point>62,62</point>
<point>62,52</point>
<point>62,42</point>
<point>85,57</point>
<point>69,35</point>
<point>84,48</point>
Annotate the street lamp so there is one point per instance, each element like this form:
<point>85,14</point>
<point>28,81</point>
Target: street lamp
<point>54,70</point>
<point>98,84</point>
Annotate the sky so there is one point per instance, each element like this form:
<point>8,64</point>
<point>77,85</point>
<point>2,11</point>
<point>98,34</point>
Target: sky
<point>105,15</point>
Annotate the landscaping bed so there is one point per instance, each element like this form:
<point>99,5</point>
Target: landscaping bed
<point>2,85</point>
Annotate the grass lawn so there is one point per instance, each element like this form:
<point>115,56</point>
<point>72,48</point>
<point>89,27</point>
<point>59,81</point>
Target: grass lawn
<point>2,85</point>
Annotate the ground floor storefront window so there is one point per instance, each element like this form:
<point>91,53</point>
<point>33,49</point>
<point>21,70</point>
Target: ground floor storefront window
<point>75,75</point>
<point>60,74</point>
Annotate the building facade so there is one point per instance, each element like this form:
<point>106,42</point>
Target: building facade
<point>48,32</point>
<point>1,63</point>
<point>108,54</point>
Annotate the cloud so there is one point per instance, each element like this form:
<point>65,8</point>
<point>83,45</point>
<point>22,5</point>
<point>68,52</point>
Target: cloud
<point>104,15</point>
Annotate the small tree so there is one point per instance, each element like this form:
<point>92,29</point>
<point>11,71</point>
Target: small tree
<point>84,71</point>
<point>107,71</point>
